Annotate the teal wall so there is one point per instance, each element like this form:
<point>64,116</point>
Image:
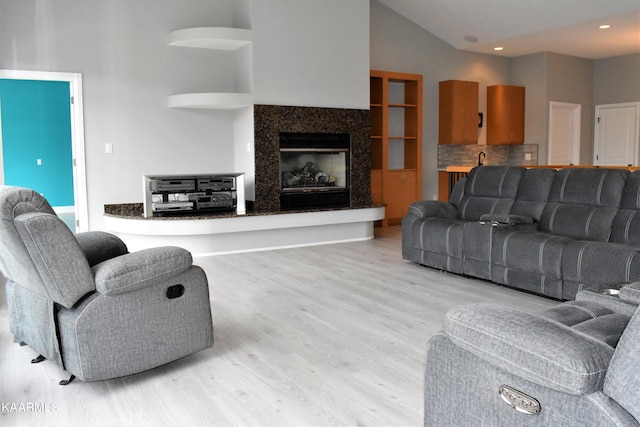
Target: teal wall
<point>36,124</point>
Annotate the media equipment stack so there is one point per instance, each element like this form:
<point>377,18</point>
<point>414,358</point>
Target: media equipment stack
<point>173,195</point>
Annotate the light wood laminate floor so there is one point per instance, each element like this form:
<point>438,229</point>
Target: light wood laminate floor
<point>329,335</point>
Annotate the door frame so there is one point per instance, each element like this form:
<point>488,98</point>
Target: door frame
<point>77,135</point>
<point>596,134</point>
<point>576,112</point>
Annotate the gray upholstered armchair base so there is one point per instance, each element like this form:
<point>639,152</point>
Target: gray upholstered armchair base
<point>576,364</point>
<point>84,302</point>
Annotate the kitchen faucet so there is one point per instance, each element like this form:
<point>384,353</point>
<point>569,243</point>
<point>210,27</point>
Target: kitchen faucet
<point>480,157</point>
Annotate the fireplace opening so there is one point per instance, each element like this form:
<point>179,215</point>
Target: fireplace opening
<point>314,170</point>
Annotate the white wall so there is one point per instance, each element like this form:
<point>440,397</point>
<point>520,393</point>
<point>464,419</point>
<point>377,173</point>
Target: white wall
<point>617,79</point>
<point>555,77</point>
<point>305,53</point>
<point>311,53</point>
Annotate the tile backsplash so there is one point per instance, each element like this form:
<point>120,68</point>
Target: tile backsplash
<point>467,154</point>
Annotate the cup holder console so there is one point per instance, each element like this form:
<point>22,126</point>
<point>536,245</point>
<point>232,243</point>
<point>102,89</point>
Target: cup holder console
<point>610,291</point>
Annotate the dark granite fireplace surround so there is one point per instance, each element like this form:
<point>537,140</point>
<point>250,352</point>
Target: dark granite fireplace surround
<point>271,120</point>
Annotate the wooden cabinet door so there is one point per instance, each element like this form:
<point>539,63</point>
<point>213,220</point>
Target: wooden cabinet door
<point>458,112</point>
<point>505,114</point>
<point>399,191</point>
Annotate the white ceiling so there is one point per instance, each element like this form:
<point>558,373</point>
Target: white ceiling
<point>523,27</point>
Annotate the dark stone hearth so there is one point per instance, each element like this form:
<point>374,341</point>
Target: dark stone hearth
<point>270,120</point>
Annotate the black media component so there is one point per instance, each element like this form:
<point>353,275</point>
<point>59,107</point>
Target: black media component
<point>192,195</point>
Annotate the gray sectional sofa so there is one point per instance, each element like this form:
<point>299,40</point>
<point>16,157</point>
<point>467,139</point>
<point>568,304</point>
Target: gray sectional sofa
<point>551,232</point>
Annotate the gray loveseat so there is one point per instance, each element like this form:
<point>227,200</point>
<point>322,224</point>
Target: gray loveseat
<point>551,232</point>
<point>576,364</point>
<point>87,304</point>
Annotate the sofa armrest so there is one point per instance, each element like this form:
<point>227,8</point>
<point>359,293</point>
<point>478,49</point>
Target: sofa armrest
<point>137,270</point>
<point>100,246</point>
<point>508,219</point>
<point>532,347</point>
<point>433,208</point>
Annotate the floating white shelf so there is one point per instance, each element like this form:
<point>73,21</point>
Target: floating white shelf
<point>219,38</point>
<point>220,101</point>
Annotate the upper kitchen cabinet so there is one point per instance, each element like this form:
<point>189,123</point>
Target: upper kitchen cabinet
<point>458,112</point>
<point>505,114</point>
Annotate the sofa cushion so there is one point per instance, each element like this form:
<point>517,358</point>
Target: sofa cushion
<point>57,256</point>
<point>100,246</point>
<point>533,192</point>
<point>489,189</point>
<point>590,318</point>
<point>528,251</point>
<point>622,383</point>
<point>600,263</point>
<point>583,203</point>
<point>626,225</point>
<point>438,242</point>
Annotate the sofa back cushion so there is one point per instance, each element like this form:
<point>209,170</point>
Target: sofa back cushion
<point>622,382</point>
<point>626,224</point>
<point>583,203</point>
<point>533,192</point>
<point>56,255</point>
<point>489,189</point>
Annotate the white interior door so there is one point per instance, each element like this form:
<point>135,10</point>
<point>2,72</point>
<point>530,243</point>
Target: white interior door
<point>564,133</point>
<point>616,134</point>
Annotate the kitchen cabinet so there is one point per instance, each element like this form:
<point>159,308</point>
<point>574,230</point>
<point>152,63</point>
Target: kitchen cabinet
<point>396,141</point>
<point>458,112</point>
<point>400,190</point>
<point>505,114</point>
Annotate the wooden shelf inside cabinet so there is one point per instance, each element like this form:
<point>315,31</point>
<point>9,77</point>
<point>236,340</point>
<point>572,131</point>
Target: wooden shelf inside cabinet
<point>217,101</point>
<point>218,38</point>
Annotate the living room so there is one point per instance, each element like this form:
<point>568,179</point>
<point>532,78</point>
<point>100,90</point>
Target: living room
<point>303,53</point>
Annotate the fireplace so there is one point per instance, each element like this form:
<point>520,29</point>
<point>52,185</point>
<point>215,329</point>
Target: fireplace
<point>299,123</point>
<point>314,170</point>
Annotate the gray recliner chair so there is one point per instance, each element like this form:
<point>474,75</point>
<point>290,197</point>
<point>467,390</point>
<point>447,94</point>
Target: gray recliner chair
<point>576,364</point>
<point>87,304</point>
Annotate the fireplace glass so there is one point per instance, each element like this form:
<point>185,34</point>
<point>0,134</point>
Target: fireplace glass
<point>314,170</point>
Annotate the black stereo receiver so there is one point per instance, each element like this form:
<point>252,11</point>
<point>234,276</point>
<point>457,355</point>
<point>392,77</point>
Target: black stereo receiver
<point>195,194</point>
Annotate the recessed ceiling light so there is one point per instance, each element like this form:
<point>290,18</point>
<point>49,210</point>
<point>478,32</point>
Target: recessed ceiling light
<point>471,39</point>
<point>604,26</point>
<point>498,48</point>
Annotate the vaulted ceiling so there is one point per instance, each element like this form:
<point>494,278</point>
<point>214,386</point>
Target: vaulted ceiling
<point>523,27</point>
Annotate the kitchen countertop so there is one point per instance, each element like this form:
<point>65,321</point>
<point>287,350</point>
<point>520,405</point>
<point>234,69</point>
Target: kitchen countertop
<point>459,168</point>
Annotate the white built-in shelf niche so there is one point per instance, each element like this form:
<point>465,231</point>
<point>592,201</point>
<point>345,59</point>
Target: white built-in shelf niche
<point>217,38</point>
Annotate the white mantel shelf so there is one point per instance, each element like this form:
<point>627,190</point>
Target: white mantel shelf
<point>247,233</point>
<point>218,38</point>
<point>212,100</point>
